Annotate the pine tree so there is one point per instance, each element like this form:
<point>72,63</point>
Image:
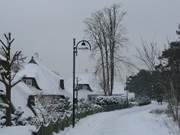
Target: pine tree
<point>170,76</point>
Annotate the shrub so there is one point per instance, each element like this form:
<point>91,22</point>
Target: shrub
<point>143,101</point>
<point>110,101</point>
<point>83,109</point>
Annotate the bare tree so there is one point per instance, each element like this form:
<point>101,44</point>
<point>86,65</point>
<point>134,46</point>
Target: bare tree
<point>148,54</point>
<point>6,71</point>
<point>106,33</point>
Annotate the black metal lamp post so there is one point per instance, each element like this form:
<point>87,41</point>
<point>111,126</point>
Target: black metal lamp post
<point>81,45</point>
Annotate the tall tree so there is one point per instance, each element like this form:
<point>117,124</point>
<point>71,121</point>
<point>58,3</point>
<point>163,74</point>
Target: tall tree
<point>170,76</point>
<point>105,31</point>
<point>6,71</point>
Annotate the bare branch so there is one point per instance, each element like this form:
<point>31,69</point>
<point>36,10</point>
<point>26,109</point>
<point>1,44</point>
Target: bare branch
<point>11,41</point>
<point>4,45</point>
<point>16,83</point>
<point>7,38</point>
<point>15,57</point>
<point>148,54</point>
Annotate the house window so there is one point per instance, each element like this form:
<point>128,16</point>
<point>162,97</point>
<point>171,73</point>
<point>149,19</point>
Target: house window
<point>61,84</point>
<point>85,87</point>
<point>29,82</point>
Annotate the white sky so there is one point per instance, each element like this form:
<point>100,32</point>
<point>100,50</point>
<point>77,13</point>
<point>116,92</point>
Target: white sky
<point>48,26</point>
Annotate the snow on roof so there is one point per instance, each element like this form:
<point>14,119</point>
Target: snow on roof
<point>20,94</point>
<point>85,78</point>
<point>47,80</point>
<point>91,79</point>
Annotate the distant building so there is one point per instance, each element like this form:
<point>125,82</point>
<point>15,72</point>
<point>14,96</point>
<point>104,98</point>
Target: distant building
<point>84,87</point>
<point>87,84</point>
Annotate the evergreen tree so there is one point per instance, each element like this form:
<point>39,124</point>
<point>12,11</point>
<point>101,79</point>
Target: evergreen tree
<point>170,76</point>
<point>144,83</point>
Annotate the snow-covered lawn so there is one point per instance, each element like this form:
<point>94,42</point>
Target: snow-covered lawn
<point>16,130</point>
<point>133,121</point>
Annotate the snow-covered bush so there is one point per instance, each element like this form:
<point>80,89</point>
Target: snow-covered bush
<point>2,117</point>
<point>86,108</point>
<point>143,101</point>
<point>55,116</point>
<point>109,103</point>
<point>16,116</point>
<point>109,100</point>
<point>50,109</point>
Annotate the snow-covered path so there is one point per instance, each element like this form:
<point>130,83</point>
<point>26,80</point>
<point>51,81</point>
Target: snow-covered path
<point>133,121</point>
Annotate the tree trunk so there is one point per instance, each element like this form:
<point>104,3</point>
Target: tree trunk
<point>107,72</point>
<point>104,77</point>
<point>8,87</point>
<point>9,108</point>
<point>112,72</point>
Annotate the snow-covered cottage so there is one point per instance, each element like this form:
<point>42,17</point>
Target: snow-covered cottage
<point>41,79</point>
<point>87,84</point>
<point>45,85</point>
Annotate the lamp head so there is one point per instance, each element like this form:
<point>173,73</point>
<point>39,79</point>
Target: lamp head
<point>83,43</point>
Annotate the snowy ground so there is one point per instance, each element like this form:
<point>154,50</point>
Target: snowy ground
<point>133,121</point>
<point>17,130</point>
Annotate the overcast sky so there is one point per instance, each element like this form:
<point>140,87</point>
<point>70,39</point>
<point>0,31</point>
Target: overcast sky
<point>48,26</point>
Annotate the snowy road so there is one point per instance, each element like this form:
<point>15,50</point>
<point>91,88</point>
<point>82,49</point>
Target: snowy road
<point>133,121</point>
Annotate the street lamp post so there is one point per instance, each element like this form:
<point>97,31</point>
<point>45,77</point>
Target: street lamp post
<point>81,45</point>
